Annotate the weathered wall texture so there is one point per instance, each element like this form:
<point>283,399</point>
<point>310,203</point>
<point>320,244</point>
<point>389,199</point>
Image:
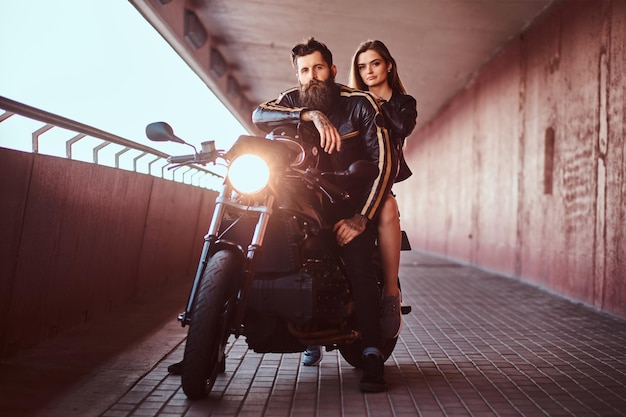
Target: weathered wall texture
<point>523,173</point>
<point>80,240</point>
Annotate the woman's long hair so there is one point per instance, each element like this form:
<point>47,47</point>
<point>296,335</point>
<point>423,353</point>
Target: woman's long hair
<point>392,77</point>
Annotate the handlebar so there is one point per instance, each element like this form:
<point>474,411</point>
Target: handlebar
<point>181,159</point>
<point>313,177</point>
<point>197,158</point>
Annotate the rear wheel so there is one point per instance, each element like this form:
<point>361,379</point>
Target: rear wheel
<point>353,353</point>
<point>208,328</point>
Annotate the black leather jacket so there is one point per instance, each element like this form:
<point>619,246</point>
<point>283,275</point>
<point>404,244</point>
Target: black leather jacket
<point>360,123</point>
<point>401,117</point>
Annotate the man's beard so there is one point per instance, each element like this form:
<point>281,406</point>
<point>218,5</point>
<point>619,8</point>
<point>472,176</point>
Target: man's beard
<point>318,95</point>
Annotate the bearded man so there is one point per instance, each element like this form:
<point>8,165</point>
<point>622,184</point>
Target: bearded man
<point>351,128</point>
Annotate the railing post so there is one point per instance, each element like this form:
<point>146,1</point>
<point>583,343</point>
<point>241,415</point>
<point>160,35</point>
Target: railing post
<point>38,133</point>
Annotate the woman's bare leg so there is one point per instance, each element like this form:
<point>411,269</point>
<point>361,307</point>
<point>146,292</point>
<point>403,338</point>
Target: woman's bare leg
<point>389,243</point>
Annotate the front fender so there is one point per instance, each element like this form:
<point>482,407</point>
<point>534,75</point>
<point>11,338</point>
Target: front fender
<point>223,244</point>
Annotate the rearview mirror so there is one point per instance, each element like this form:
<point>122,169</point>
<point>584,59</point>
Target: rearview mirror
<point>162,132</point>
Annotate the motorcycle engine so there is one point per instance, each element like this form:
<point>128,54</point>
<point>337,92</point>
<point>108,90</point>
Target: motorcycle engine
<point>314,298</point>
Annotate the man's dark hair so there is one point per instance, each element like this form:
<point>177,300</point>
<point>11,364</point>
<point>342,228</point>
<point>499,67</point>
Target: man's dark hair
<point>308,47</point>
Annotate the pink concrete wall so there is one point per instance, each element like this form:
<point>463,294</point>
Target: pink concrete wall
<point>523,172</point>
<point>82,240</point>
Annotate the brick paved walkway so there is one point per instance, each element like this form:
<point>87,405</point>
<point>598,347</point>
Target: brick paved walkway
<point>476,344</point>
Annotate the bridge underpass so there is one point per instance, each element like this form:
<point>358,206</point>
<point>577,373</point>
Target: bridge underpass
<point>481,200</point>
<point>476,343</point>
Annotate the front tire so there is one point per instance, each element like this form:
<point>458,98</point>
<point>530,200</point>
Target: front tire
<point>208,327</point>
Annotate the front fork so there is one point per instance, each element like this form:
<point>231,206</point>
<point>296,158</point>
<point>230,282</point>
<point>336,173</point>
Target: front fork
<point>212,243</point>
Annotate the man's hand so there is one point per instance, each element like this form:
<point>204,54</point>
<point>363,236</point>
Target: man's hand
<point>330,139</point>
<point>348,229</point>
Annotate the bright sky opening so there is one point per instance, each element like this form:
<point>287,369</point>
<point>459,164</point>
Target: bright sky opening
<point>102,64</point>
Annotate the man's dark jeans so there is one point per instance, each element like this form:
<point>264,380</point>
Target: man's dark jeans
<point>357,256</point>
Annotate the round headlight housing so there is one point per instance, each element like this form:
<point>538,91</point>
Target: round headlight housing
<point>248,174</point>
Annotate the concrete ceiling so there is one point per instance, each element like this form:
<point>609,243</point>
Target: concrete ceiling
<point>439,45</point>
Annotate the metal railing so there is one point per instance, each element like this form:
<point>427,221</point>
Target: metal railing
<point>193,174</point>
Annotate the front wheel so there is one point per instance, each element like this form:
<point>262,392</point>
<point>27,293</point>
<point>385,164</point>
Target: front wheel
<point>208,327</point>
<point>353,354</point>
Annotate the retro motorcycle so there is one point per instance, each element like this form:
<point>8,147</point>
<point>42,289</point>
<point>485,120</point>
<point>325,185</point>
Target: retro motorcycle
<point>269,267</point>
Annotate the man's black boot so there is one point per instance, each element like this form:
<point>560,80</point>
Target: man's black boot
<point>373,379</point>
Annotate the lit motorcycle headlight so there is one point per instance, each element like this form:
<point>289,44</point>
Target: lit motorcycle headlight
<point>248,174</point>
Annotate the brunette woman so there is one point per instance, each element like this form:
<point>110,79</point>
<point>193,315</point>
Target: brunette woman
<point>375,70</point>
